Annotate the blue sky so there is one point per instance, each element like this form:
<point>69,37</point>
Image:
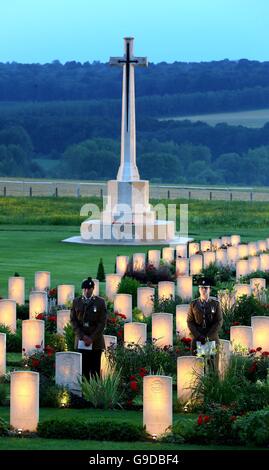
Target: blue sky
<point>164,30</point>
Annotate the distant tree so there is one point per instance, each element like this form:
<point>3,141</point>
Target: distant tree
<point>101,271</point>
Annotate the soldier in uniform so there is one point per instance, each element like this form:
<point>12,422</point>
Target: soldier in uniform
<point>88,319</point>
<point>204,317</point>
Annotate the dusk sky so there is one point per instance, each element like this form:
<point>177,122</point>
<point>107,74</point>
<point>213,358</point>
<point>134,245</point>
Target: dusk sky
<point>164,30</point>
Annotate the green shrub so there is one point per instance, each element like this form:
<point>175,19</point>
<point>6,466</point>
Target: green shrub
<point>129,286</point>
<point>56,341</point>
<point>247,307</point>
<point>102,392</point>
<point>101,271</point>
<point>13,340</point>
<point>253,428</point>
<point>216,274</point>
<point>3,393</point>
<point>23,311</point>
<point>101,430</point>
<point>3,427</point>
<point>69,337</point>
<point>51,395</point>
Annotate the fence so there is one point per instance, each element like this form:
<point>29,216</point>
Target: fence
<point>84,189</point>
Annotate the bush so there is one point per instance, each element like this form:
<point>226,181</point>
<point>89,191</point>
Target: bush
<point>253,428</point>
<point>3,427</point>
<point>53,396</point>
<point>23,311</point>
<point>129,286</point>
<point>56,341</point>
<point>216,274</point>
<point>151,275</point>
<point>3,394</point>
<point>101,430</point>
<point>69,337</point>
<point>42,361</point>
<point>247,307</point>
<point>101,271</point>
<point>115,325</point>
<point>13,340</point>
<point>102,392</point>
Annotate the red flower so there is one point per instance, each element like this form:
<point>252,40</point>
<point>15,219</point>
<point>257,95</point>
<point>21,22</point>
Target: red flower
<point>177,350</point>
<point>186,340</point>
<point>119,333</point>
<point>129,402</point>
<point>134,386</point>
<point>206,419</point>
<point>52,318</point>
<point>40,316</point>
<point>252,351</point>
<point>200,420</point>
<point>143,372</point>
<point>132,377</point>
<point>35,362</point>
<point>265,353</point>
<point>259,349</point>
<point>236,323</point>
<point>37,346</point>
<point>233,418</point>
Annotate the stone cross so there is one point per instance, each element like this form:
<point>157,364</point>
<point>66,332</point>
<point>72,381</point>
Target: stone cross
<point>128,170</point>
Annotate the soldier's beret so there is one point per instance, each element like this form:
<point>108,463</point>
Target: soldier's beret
<point>87,283</point>
<point>204,282</point>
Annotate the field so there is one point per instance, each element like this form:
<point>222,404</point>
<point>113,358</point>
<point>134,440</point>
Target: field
<point>255,118</point>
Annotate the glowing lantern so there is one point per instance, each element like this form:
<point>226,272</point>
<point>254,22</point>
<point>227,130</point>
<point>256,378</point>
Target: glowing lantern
<point>262,245</point>
<point>243,250</point>
<point>209,258</point>
<point>110,342</point>
<point>65,293</point>
<point>157,404</point>
<point>224,356</point>
<point>253,264</point>
<point>154,257</point>
<point>8,314</point>
<point>33,332</point>
<point>264,262</point>
<point>193,248</point>
<point>162,329</point>
<point>112,284</point>
<point>166,290</point>
<point>235,240</point>
<point>216,243</point>
<point>42,280</point>
<point>121,264</point>
<point>24,400</point>
<point>260,326</point>
<point>189,368</point>
<point>139,261</point>
<point>226,240</point>
<point>182,267</point>
<point>205,245</point>
<point>242,268</point>
<point>184,287</point>
<point>63,318</point>
<point>232,255</point>
<point>252,249</point>
<point>2,354</point>
<point>145,300</point>
<point>242,289</point>
<point>196,264</point>
<point>135,333</point>
<point>123,305</point>
<point>168,254</point>
<point>38,303</point>
<point>16,289</point>
<point>257,286</point>
<point>181,320</point>
<point>241,337</point>
<point>181,251</point>
<point>221,257</point>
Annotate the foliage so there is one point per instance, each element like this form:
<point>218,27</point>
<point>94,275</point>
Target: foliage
<point>56,341</point>
<point>128,285</point>
<point>42,361</point>
<point>3,395</point>
<point>3,427</point>
<point>69,337</point>
<point>166,305</point>
<point>52,395</point>
<point>151,275</point>
<point>115,325</point>
<point>102,392</point>
<point>253,428</point>
<point>13,340</point>
<point>216,274</point>
<point>247,307</point>
<point>101,430</point>
<point>101,271</point>
<point>23,311</point>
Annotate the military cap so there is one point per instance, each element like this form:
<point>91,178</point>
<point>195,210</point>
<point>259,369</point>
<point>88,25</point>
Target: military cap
<point>87,283</point>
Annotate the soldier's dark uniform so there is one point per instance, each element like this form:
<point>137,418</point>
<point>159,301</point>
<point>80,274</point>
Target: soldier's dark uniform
<point>88,317</point>
<point>204,319</point>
